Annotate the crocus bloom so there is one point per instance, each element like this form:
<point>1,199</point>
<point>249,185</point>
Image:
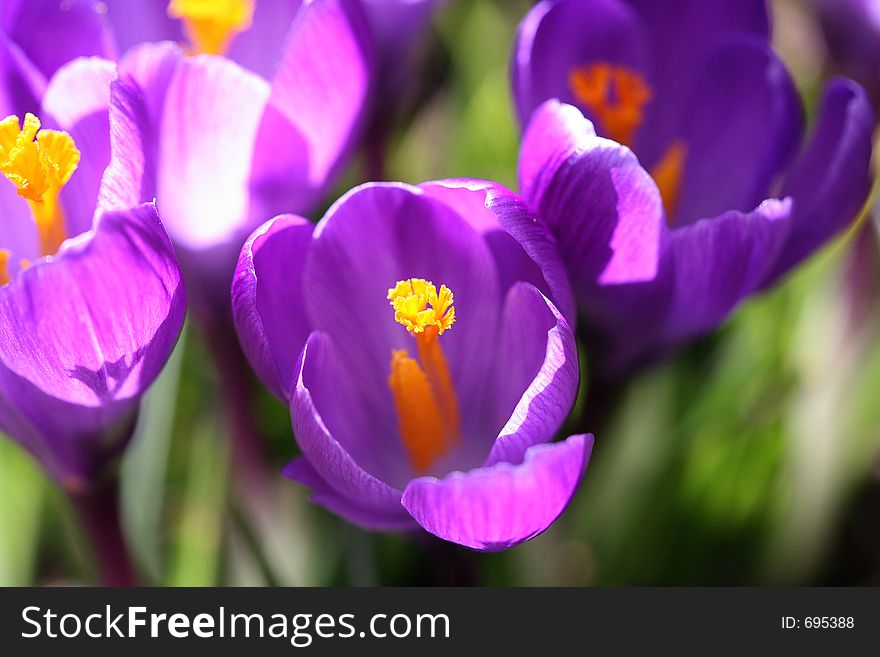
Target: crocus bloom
<point>426,368</point>
<point>711,195</point>
<point>225,148</point>
<point>91,299</point>
<point>852,33</point>
<point>37,37</point>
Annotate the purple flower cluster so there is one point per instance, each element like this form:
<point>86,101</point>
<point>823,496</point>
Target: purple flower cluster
<point>422,336</point>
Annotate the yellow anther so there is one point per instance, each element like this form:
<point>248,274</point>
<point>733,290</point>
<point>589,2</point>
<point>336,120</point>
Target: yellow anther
<point>39,169</point>
<point>417,305</point>
<point>424,394</point>
<point>614,95</point>
<point>211,25</point>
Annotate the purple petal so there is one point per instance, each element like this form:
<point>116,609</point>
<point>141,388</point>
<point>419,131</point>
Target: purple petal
<point>20,234</point>
<point>852,34</point>
<point>84,333</point>
<point>606,214</point>
<point>603,208</point>
<point>151,66</point>
<point>52,33</point>
<point>680,34</point>
<point>335,433</point>
<point>267,299</point>
<point>398,28</point>
<point>741,127</point>
<point>830,182</point>
<point>131,175</point>
<point>495,508</point>
<point>206,136</point>
<point>717,262</point>
<point>347,509</point>
<point>522,244</point>
<point>137,102</point>
<point>259,49</point>
<point>379,234</point>
<point>557,36</point>
<point>21,84</point>
<point>137,22</point>
<point>78,97</point>
<point>315,106</point>
<point>256,49</point>
<point>536,377</point>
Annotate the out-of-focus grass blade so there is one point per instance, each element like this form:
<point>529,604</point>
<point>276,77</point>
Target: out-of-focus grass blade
<point>22,491</point>
<point>196,547</point>
<point>145,465</point>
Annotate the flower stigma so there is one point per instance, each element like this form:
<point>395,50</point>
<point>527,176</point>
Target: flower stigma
<point>39,163</point>
<point>616,96</point>
<point>424,395</point>
<point>4,262</point>
<point>211,25</point>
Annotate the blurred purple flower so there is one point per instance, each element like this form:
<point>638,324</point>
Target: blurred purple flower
<point>723,198</point>
<point>455,437</point>
<point>852,33</point>
<point>256,42</point>
<point>396,27</point>
<point>37,37</point>
<point>225,148</point>
<point>91,296</point>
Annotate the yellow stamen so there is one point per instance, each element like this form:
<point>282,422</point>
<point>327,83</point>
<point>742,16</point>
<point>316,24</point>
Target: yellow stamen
<point>4,261</point>
<point>614,95</point>
<point>667,173</point>
<point>424,395</point>
<point>211,25</point>
<point>39,169</point>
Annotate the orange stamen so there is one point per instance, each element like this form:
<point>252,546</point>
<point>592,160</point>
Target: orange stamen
<point>4,262</point>
<point>667,173</point>
<point>614,95</point>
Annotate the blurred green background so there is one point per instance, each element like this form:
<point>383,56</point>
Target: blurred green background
<point>749,458</point>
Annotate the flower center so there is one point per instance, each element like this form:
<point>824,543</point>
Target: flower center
<point>616,96</point>
<point>211,25</point>
<point>424,396</point>
<point>39,163</point>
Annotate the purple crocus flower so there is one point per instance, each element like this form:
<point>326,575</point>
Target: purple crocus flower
<point>706,193</point>
<point>225,148</point>
<point>426,368</point>
<point>252,33</point>
<point>37,37</point>
<point>91,297</point>
<point>852,33</point>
